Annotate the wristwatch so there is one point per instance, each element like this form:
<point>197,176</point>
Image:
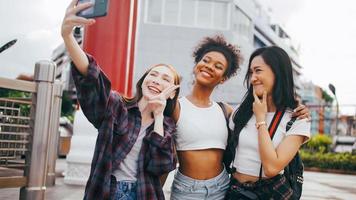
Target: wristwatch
<point>258,124</point>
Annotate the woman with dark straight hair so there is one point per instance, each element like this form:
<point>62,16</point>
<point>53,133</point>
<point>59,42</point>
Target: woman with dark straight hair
<point>257,150</point>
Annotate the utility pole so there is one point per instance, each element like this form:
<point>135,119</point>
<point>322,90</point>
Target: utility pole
<point>333,90</point>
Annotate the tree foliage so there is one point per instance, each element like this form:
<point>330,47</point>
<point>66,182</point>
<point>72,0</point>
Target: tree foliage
<point>327,97</point>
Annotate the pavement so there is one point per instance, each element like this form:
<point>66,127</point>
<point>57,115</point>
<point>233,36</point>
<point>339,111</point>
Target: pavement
<point>317,186</point>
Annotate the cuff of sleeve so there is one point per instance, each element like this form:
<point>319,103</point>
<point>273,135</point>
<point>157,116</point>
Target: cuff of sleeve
<point>93,70</point>
<point>156,139</point>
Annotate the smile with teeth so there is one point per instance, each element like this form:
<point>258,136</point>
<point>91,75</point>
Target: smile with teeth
<point>206,74</point>
<point>154,89</point>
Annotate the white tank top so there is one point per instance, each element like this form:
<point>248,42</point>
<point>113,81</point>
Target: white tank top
<point>127,170</point>
<point>200,128</point>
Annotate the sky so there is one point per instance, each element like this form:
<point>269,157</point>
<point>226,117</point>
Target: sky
<point>324,30</point>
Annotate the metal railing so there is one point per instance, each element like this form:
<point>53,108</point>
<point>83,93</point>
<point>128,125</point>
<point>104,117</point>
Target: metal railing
<point>14,131</point>
<point>29,133</point>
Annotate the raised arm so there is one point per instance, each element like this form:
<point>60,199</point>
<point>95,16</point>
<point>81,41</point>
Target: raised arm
<point>70,20</point>
<point>92,86</point>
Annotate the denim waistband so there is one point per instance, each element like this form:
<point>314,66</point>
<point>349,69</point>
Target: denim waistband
<point>191,181</point>
<point>126,185</point>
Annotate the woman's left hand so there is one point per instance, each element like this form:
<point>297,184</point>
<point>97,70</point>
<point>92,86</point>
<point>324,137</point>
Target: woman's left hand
<point>157,104</point>
<point>260,107</point>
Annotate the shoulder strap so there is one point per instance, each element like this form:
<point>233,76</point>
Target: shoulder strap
<point>277,117</point>
<point>227,156</point>
<point>294,170</point>
<point>275,122</point>
<point>223,108</point>
<point>290,123</point>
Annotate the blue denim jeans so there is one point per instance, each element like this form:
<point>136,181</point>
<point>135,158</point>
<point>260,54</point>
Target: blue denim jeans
<point>125,190</point>
<point>187,188</point>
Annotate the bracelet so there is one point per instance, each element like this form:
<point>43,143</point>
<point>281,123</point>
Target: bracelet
<point>258,124</point>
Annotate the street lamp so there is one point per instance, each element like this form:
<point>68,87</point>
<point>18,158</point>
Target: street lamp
<point>333,90</point>
<point>7,45</point>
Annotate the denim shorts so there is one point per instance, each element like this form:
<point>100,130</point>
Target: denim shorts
<point>187,188</point>
<point>125,190</point>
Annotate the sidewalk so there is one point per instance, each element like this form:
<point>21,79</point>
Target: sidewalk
<point>317,186</point>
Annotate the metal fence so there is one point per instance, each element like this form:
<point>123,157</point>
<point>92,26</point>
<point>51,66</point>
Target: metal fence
<point>29,133</point>
<point>14,132</point>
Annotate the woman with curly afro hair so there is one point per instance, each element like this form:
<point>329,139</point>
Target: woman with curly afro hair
<point>202,133</point>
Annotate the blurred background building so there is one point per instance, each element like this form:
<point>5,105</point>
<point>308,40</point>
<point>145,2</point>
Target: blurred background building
<point>168,31</point>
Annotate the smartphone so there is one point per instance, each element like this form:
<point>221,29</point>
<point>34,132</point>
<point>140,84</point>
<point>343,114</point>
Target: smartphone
<point>99,9</point>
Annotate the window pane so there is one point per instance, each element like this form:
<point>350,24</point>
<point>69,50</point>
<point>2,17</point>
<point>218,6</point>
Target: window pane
<point>243,24</point>
<point>154,11</point>
<point>220,14</point>
<point>188,12</point>
<point>204,14</point>
<point>171,12</point>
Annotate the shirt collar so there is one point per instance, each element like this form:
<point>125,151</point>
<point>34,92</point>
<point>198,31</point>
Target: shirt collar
<point>130,105</point>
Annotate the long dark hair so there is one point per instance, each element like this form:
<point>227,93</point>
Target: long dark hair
<point>283,94</point>
<point>171,103</point>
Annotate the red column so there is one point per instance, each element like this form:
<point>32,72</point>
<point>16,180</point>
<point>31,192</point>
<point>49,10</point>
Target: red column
<point>321,120</point>
<point>111,40</point>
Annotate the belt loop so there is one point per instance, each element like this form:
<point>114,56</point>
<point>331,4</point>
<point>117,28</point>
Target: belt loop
<point>193,187</point>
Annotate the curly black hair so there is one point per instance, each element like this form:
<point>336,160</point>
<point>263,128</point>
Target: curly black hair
<point>218,43</point>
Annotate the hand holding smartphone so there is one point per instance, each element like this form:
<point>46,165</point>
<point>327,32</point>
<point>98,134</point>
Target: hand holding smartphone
<point>99,9</point>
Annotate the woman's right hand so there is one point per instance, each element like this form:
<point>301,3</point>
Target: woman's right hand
<point>158,103</point>
<point>259,107</point>
<point>71,20</point>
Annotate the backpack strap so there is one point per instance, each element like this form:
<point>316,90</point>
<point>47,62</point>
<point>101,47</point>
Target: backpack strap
<point>228,168</point>
<point>290,123</point>
<point>294,170</point>
<point>223,108</point>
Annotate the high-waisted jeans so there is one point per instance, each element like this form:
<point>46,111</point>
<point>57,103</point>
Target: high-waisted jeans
<point>187,188</point>
<point>125,190</point>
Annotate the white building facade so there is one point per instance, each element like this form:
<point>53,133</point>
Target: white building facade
<point>168,31</point>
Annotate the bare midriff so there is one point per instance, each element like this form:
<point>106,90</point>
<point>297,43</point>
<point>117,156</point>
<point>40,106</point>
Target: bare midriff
<point>201,164</point>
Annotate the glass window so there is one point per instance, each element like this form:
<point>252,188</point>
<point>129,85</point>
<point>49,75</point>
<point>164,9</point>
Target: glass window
<point>154,11</point>
<point>243,24</point>
<point>220,14</point>
<point>204,14</point>
<point>171,12</point>
<point>188,12</point>
<point>257,43</point>
<point>192,13</point>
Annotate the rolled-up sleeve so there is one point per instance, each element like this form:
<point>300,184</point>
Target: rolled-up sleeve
<point>161,156</point>
<point>93,91</point>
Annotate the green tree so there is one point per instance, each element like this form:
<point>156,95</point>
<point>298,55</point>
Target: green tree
<point>327,97</point>
<point>6,93</point>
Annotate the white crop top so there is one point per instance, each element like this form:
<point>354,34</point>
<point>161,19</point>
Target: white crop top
<point>200,128</point>
<point>247,157</point>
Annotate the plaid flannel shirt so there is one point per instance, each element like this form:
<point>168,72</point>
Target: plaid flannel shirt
<point>118,125</point>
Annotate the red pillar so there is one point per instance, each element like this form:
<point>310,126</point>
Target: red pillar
<point>321,120</point>
<point>111,40</point>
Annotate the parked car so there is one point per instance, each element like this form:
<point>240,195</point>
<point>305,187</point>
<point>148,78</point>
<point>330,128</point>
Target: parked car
<point>344,143</point>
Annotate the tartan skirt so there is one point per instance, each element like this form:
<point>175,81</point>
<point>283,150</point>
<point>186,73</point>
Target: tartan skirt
<point>276,188</point>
